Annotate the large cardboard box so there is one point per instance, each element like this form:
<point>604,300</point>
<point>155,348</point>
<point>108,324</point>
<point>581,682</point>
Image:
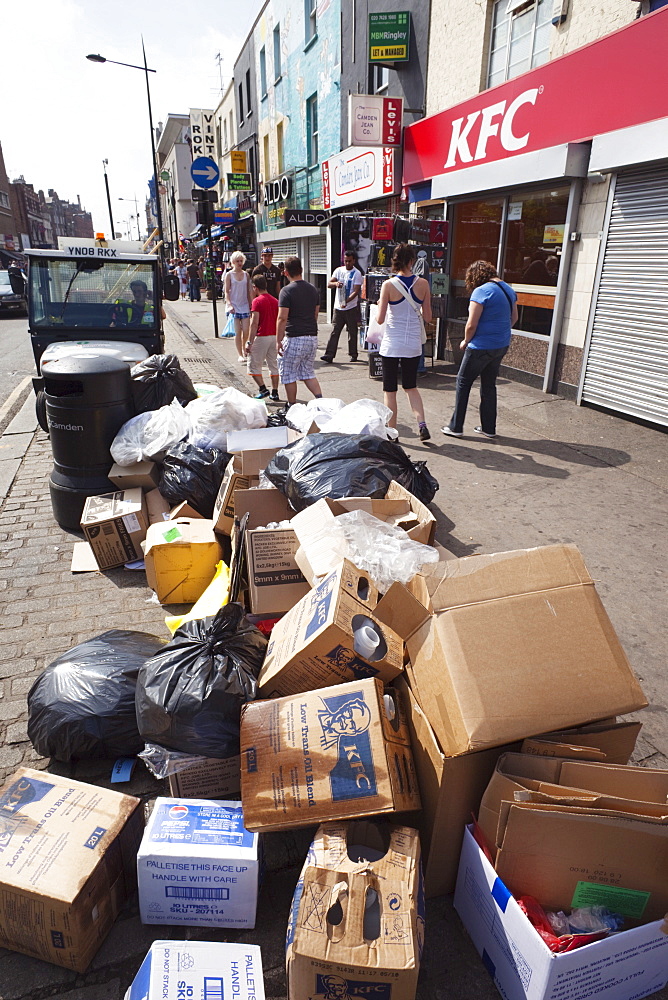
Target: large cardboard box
<point>378,940</point>
<point>601,785</point>
<point>519,644</point>
<point>144,475</point>
<point>207,778</point>
<point>256,447</point>
<point>624,966</point>
<point>67,865</point>
<point>336,753</point>
<point>157,507</point>
<point>206,970</point>
<point>198,865</point>
<point>181,557</point>
<point>115,526</point>
<point>313,645</point>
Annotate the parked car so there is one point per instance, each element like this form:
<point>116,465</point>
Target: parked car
<point>10,300</point>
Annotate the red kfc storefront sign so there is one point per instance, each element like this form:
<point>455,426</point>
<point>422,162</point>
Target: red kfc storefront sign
<point>613,83</point>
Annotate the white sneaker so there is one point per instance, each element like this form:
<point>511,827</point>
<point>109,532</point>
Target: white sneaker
<point>242,360</point>
<point>454,434</point>
<point>479,430</point>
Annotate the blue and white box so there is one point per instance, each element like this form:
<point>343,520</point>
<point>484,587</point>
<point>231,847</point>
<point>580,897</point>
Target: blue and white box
<point>198,865</point>
<point>204,970</point>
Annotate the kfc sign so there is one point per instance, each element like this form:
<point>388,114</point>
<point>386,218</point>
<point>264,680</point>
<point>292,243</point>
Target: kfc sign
<point>356,175</point>
<point>613,83</point>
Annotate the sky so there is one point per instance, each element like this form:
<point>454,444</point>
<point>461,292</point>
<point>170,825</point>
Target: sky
<point>61,115</point>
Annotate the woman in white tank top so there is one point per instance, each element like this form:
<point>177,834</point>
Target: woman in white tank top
<point>239,300</point>
<point>402,298</point>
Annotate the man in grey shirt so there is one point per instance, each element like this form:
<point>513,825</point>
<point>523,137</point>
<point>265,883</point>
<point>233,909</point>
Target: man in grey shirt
<point>297,332</point>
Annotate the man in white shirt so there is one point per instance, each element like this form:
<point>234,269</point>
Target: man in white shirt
<point>347,281</point>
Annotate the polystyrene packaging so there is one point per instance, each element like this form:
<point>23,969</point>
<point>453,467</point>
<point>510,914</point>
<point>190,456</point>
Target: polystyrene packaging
<point>149,436</point>
<point>215,413</point>
<point>383,551</point>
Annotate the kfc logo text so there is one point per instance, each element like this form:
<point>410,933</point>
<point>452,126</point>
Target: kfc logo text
<point>496,119</point>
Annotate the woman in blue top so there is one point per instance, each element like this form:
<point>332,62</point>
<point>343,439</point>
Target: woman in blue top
<point>492,312</point>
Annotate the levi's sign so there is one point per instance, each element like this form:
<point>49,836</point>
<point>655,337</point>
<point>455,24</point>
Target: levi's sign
<point>564,101</point>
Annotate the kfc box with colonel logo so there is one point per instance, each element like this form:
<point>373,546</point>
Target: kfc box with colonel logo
<point>335,753</point>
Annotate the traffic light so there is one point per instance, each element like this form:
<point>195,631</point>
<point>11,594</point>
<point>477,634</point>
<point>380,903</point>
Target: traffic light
<point>205,202</point>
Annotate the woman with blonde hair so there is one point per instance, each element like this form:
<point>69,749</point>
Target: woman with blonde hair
<point>492,312</point>
<point>239,297</point>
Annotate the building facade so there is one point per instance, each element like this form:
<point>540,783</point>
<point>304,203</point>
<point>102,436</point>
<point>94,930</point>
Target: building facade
<point>9,238</point>
<point>173,151</point>
<point>27,212</point>
<point>564,189</point>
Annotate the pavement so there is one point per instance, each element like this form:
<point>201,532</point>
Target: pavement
<point>557,473</point>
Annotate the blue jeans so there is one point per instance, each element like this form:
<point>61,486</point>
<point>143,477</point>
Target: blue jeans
<point>485,365</point>
<point>193,290</point>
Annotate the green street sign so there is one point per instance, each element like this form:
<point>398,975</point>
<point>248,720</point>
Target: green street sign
<point>239,182</point>
<point>164,175</point>
<point>389,37</point>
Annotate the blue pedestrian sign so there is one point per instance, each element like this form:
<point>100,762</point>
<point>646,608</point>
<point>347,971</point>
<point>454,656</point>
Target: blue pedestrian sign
<point>204,172</point>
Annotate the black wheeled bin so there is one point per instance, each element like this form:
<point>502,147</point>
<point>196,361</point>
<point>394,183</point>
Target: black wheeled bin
<point>87,402</point>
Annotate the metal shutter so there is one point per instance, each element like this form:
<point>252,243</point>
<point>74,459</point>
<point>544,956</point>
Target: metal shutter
<point>317,255</point>
<point>283,249</point>
<point>627,361</point>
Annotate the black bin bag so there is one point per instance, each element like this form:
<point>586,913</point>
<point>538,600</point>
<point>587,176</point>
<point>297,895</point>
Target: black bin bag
<point>190,694</point>
<point>83,705</point>
<point>158,380</point>
<point>346,465</point>
<point>193,474</point>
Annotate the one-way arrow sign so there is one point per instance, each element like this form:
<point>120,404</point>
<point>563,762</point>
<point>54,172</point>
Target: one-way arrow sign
<point>204,172</point>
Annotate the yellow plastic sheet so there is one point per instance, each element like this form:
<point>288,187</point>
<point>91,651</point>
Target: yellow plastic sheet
<point>212,600</point>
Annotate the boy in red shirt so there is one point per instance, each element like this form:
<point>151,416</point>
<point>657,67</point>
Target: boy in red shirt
<point>261,346</point>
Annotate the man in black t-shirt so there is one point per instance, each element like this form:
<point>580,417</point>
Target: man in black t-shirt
<point>269,272</point>
<point>297,332</point>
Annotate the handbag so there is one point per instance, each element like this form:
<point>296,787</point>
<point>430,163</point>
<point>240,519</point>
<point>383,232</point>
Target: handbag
<point>375,330</point>
<point>399,285</point>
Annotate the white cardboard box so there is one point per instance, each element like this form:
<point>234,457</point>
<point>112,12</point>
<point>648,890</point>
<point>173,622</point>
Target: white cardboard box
<point>198,865</point>
<point>204,969</point>
<point>625,966</point>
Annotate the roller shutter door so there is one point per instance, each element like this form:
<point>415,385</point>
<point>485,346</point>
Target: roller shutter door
<point>317,255</point>
<point>627,362</point>
<point>283,249</point>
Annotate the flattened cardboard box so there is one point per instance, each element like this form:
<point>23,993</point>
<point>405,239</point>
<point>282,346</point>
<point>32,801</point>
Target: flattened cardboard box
<point>323,755</point>
<point>207,778</point>
<point>313,644</point>
<point>198,865</point>
<point>519,644</point>
<point>115,526</point>
<point>67,865</point>
<point>181,558</point>
<point>556,777</point>
<point>623,966</point>
<point>206,970</point>
<point>145,475</point>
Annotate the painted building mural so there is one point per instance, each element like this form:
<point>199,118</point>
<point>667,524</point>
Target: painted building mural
<point>298,72</point>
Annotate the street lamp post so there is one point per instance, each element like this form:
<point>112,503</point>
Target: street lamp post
<point>105,164</point>
<point>136,215</point>
<point>145,70</point>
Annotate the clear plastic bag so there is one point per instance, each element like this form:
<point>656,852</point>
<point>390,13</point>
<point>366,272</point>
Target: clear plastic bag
<point>386,553</point>
<point>161,763</point>
<point>585,920</point>
<point>364,416</point>
<point>317,411</point>
<point>213,415</point>
<point>149,436</point>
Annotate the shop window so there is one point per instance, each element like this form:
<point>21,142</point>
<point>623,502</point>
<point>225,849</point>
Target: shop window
<point>249,109</point>
<point>310,25</point>
<point>520,38</point>
<point>225,134</point>
<point>312,130</point>
<point>278,71</point>
<point>477,234</point>
<point>4,199</point>
<point>379,78</point>
<point>241,104</point>
<point>263,72</point>
<point>279,147</point>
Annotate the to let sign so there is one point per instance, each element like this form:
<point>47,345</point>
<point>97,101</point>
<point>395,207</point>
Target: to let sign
<point>375,121</point>
<point>239,182</point>
<point>389,37</point>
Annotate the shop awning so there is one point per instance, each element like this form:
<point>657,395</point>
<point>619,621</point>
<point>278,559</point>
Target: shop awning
<point>9,255</point>
<point>196,231</point>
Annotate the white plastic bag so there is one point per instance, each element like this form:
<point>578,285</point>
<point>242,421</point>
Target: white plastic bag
<point>213,415</point>
<point>316,411</point>
<point>375,331</point>
<point>149,436</point>
<point>383,551</point>
<point>364,416</point>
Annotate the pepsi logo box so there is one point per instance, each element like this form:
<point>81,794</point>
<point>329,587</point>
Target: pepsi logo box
<point>318,642</point>
<point>67,865</point>
<point>334,753</point>
<point>207,970</point>
<point>198,865</point>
